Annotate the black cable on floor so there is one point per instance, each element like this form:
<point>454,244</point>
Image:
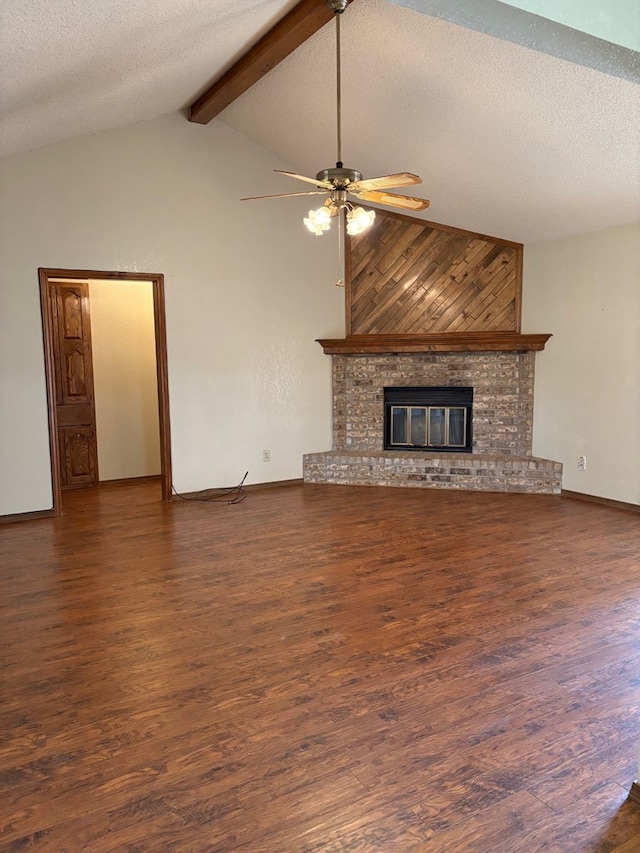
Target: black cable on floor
<point>234,495</point>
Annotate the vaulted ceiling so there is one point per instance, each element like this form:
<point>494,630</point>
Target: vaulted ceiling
<point>524,130</point>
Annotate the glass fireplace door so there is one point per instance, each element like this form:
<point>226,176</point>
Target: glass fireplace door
<point>428,426</point>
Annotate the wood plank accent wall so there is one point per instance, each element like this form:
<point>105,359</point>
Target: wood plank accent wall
<point>408,276</point>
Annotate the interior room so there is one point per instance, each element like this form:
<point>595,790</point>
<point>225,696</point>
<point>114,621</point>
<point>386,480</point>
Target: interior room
<point>320,541</point>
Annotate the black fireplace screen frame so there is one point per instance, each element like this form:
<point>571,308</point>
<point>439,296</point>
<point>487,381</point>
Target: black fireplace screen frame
<point>423,396</point>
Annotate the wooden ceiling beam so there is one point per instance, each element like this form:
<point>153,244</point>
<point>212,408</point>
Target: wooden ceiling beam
<point>283,38</point>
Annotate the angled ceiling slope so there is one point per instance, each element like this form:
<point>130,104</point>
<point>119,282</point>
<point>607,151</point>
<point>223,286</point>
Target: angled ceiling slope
<point>513,21</point>
<point>509,140</point>
<point>72,68</point>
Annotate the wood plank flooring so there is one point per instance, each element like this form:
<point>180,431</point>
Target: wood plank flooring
<point>320,669</point>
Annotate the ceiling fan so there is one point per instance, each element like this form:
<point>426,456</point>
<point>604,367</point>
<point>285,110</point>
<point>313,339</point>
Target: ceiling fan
<point>341,182</point>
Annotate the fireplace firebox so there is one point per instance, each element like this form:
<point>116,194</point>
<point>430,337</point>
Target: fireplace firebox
<point>435,418</point>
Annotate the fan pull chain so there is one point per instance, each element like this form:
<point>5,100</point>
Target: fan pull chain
<point>340,279</point>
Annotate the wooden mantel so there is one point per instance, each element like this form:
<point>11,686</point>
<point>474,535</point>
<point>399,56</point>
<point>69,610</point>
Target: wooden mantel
<point>441,342</point>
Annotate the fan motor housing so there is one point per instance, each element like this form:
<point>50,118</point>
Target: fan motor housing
<point>339,177</point>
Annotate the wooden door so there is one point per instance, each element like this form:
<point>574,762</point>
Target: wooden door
<point>75,406</point>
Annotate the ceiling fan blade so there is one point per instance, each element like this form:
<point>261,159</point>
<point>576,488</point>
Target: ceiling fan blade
<point>326,184</point>
<point>386,182</point>
<point>283,195</point>
<point>406,202</point>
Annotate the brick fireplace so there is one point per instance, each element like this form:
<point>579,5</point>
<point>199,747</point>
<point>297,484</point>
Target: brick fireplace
<point>431,306</point>
<point>501,457</point>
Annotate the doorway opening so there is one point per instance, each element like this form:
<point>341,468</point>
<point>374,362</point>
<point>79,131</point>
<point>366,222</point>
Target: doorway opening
<point>64,327</point>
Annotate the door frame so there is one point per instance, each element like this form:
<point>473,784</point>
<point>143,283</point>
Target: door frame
<point>160,325</point>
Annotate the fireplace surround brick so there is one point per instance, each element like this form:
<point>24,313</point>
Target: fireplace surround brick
<point>502,424</point>
<point>502,395</point>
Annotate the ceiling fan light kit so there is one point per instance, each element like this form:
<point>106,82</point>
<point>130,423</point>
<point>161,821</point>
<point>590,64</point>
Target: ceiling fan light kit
<point>339,182</point>
<point>358,219</point>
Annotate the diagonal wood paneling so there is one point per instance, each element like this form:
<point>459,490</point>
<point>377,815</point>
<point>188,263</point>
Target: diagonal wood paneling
<point>407,276</point>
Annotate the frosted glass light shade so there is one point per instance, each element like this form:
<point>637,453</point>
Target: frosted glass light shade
<point>318,221</point>
<point>358,220</point>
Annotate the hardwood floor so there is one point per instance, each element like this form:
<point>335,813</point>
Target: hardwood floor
<point>320,669</point>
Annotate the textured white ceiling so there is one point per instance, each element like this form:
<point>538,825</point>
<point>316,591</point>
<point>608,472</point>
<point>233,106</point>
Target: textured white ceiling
<point>509,141</point>
<point>71,67</point>
<point>508,19</point>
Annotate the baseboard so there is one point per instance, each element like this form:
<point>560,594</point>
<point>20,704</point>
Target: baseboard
<point>27,516</point>
<point>256,487</point>
<point>594,499</point>
<point>634,793</point>
<point>131,481</point>
<point>253,487</point>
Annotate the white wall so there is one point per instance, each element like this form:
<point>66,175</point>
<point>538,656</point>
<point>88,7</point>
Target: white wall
<point>247,288</point>
<point>585,290</point>
<point>124,378</point>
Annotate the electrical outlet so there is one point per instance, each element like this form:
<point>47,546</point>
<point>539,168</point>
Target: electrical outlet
<point>266,456</point>
<point>582,463</point>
